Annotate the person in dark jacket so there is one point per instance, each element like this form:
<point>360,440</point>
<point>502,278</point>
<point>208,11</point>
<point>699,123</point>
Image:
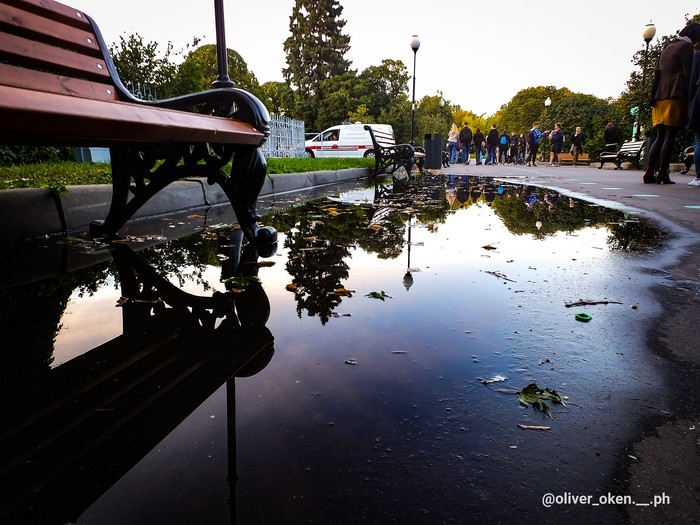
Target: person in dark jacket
<point>694,114</point>
<point>465,139</point>
<point>669,112</point>
<point>492,144</point>
<point>479,143</point>
<point>578,141</point>
<point>611,137</point>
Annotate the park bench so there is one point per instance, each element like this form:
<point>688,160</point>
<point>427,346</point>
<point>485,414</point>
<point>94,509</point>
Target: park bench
<point>59,87</point>
<point>568,158</point>
<point>630,151</point>
<point>389,158</point>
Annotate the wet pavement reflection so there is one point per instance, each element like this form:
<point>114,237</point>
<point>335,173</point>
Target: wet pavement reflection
<point>405,318</point>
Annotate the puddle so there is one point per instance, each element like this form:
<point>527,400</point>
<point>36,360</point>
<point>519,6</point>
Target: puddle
<point>404,319</point>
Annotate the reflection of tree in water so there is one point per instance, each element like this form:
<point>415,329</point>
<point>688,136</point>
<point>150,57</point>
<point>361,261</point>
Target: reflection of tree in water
<point>636,235</point>
<point>542,212</point>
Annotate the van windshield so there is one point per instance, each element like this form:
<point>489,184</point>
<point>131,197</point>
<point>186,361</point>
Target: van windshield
<point>331,134</point>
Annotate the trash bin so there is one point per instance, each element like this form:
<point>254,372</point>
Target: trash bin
<point>432,144</point>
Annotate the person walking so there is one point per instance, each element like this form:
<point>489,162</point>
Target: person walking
<point>492,144</point>
<point>513,144</point>
<point>669,92</point>
<point>578,140</point>
<point>694,114</point>
<point>465,138</point>
<point>452,139</point>
<point>611,137</point>
<point>479,142</point>
<point>533,140</point>
<point>556,138</point>
<point>503,141</point>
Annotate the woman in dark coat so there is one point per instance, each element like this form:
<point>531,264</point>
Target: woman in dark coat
<point>694,114</point>
<point>670,101</point>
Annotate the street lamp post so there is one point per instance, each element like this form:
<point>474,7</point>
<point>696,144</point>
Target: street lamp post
<point>415,44</point>
<point>647,35</point>
<point>547,103</point>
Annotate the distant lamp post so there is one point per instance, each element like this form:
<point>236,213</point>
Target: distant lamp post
<point>547,103</point>
<point>647,35</point>
<point>415,44</point>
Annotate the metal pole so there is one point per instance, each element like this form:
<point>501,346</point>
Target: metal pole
<point>413,99</point>
<point>223,80</point>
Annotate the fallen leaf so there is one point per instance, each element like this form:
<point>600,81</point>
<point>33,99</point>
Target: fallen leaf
<point>489,247</point>
<point>532,427</point>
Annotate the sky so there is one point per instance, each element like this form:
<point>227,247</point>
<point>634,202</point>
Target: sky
<point>477,55</point>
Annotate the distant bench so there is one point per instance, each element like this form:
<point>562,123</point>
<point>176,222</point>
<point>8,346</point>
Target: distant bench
<point>59,87</point>
<point>388,159</point>
<point>630,151</point>
<point>568,158</point>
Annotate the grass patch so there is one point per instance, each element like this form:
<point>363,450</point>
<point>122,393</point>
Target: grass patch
<point>56,176</point>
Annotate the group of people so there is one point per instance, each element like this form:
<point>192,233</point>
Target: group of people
<point>503,148</point>
<point>674,103</point>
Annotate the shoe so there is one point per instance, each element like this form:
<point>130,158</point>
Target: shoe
<point>694,182</point>
<point>550,164</point>
<point>649,177</point>
<point>534,164</point>
<point>528,164</point>
<point>663,178</point>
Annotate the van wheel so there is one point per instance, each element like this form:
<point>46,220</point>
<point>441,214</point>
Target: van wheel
<point>369,154</point>
<point>309,154</point>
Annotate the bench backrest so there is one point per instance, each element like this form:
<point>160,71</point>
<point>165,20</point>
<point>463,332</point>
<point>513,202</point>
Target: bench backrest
<point>51,53</point>
<point>632,146</point>
<point>50,47</point>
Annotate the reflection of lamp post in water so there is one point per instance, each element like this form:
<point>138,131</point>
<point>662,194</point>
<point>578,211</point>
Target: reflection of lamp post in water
<point>415,44</point>
<point>408,278</point>
<point>647,35</point>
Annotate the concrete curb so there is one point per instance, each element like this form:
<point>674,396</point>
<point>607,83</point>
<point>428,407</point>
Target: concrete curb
<point>31,213</point>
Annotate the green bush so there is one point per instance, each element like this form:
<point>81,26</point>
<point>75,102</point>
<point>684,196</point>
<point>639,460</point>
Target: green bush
<point>16,155</point>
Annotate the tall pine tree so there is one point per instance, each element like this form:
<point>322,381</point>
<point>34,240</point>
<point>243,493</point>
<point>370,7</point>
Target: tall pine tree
<point>315,51</point>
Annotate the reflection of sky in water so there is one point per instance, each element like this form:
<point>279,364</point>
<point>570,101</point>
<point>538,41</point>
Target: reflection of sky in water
<point>410,432</point>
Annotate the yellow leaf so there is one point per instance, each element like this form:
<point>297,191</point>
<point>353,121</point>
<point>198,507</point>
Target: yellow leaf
<point>375,226</point>
<point>311,238</point>
<point>343,292</point>
<point>291,287</point>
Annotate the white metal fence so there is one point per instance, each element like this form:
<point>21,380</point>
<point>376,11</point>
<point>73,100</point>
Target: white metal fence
<point>286,138</point>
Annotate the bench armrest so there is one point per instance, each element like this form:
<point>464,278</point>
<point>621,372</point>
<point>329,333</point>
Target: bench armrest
<point>226,102</point>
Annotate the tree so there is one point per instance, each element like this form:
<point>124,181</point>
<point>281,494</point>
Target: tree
<point>141,64</point>
<point>278,97</point>
<point>315,51</point>
<point>200,69</point>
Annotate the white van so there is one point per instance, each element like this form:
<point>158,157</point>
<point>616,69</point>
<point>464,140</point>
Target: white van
<point>349,140</point>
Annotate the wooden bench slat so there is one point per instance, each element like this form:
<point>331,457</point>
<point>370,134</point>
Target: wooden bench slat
<point>52,83</point>
<point>48,118</point>
<point>22,51</point>
<point>41,29</point>
<point>53,10</point>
